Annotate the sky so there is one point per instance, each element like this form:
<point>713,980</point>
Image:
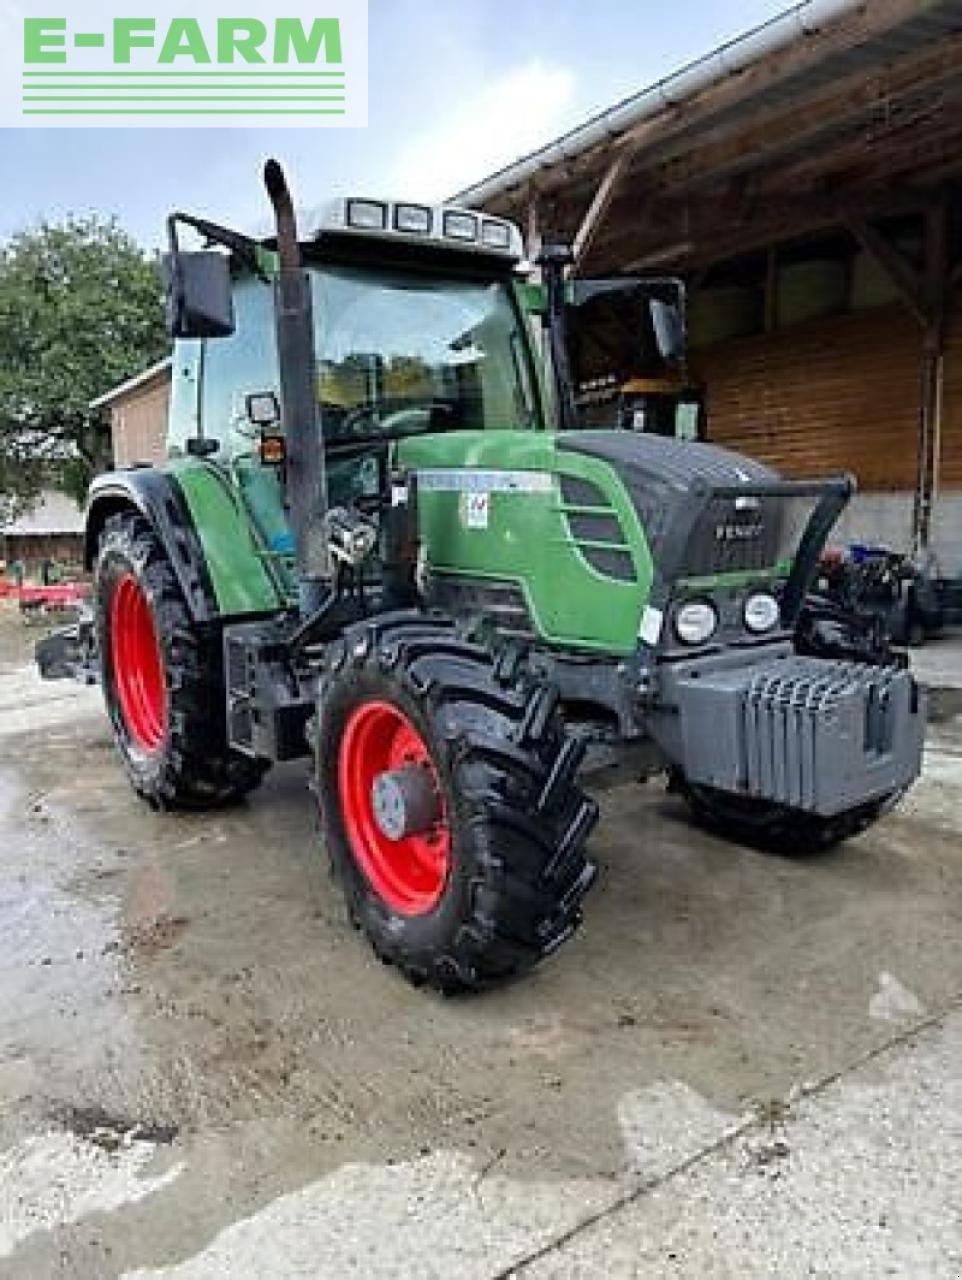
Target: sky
<point>457,88</point>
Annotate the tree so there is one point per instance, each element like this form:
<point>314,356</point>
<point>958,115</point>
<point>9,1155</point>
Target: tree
<point>81,309</point>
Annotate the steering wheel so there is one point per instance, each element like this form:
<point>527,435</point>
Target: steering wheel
<point>394,420</point>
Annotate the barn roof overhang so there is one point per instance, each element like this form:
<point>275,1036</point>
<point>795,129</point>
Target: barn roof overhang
<point>834,113</point>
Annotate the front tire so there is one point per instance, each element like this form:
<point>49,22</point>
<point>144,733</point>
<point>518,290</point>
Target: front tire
<point>162,677</point>
<point>490,877</point>
<point>775,828</point>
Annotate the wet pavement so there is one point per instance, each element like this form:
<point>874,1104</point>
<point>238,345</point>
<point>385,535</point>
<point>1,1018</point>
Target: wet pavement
<point>204,1070</point>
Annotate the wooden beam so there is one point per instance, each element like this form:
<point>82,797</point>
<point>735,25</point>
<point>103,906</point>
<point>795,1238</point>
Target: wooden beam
<point>706,230</point>
<point>859,163</point>
<point>909,283</point>
<point>849,31</point>
<point>600,203</point>
<point>770,133</point>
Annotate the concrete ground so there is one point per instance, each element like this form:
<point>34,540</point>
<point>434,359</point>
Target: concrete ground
<point>742,1066</point>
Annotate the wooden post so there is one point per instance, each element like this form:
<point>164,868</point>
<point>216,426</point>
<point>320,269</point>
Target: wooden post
<point>933,369</point>
<point>771,290</point>
<point>533,231</point>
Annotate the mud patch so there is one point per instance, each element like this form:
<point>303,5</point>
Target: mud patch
<point>148,937</point>
<point>109,1132</point>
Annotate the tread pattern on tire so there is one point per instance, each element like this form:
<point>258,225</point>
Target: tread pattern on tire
<point>195,768</point>
<point>520,823</point>
<point>773,827</point>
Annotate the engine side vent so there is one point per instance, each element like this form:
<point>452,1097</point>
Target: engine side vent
<point>596,529</point>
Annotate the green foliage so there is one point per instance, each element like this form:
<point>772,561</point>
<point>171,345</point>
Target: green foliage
<point>81,309</point>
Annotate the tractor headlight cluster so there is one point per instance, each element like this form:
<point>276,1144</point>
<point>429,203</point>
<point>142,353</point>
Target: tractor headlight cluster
<point>460,226</point>
<point>414,219</point>
<point>761,612</point>
<point>495,235</point>
<point>367,215</point>
<point>695,622</point>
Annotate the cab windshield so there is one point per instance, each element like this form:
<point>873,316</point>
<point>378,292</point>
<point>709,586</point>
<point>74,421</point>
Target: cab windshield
<point>400,353</point>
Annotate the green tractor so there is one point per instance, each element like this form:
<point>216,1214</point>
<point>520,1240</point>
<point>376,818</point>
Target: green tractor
<point>383,541</point>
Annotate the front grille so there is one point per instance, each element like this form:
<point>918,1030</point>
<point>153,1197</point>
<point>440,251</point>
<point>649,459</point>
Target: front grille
<point>733,537</point>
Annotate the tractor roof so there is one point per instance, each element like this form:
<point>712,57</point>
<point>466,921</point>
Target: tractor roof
<point>444,227</point>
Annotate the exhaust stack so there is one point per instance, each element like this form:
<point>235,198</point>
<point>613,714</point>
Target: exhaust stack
<point>300,412</point>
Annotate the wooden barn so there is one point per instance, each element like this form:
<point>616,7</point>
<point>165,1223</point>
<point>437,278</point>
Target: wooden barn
<point>138,416</point>
<point>806,181</point>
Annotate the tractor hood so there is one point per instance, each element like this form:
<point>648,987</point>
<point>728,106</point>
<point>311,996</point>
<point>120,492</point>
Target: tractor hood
<point>662,475</point>
<point>713,518</point>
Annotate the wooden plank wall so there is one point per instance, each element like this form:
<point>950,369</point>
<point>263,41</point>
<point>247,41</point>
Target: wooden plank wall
<point>139,425</point>
<point>835,394</point>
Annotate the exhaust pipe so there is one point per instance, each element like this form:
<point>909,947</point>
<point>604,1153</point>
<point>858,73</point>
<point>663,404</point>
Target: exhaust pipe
<point>300,410</point>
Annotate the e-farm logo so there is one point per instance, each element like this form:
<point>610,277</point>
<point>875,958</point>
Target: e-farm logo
<point>98,65</point>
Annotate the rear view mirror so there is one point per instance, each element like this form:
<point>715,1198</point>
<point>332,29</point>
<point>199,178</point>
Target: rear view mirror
<point>668,323</point>
<point>200,301</point>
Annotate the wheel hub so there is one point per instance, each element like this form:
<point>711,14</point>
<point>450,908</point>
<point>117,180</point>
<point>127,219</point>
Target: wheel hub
<point>405,801</point>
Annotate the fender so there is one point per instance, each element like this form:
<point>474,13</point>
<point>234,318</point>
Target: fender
<point>220,571</point>
<point>156,496</point>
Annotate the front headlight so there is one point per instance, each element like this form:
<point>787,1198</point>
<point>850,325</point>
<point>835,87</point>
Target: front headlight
<point>695,622</point>
<point>761,612</point>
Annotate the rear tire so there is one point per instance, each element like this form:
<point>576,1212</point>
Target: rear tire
<point>775,828</point>
<point>495,884</point>
<point>162,677</point>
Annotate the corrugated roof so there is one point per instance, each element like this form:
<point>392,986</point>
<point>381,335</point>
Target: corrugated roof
<point>54,512</point>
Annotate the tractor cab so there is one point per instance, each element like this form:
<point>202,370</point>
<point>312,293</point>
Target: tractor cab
<point>417,328</point>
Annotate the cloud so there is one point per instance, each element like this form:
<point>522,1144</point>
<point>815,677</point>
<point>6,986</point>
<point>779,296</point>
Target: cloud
<point>513,113</point>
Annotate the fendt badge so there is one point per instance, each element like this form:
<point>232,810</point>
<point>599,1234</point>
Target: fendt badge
<point>738,532</point>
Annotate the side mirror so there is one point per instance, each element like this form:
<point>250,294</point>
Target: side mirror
<point>668,323</point>
<point>200,301</point>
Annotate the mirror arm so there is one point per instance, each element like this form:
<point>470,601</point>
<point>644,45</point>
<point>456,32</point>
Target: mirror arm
<point>241,246</point>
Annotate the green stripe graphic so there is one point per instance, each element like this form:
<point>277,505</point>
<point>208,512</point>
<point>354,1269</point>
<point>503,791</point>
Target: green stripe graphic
<point>198,92</point>
<point>180,97</point>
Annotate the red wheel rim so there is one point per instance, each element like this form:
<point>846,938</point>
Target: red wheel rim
<point>409,874</point>
<point>138,665</point>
